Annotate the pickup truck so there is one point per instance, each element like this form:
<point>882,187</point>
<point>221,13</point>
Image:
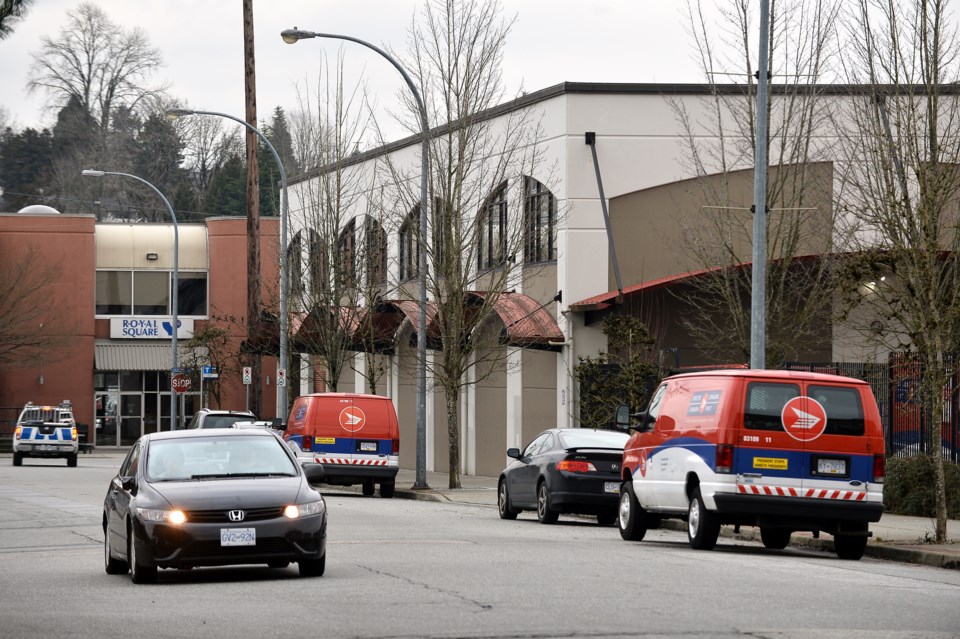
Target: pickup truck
<point>46,431</point>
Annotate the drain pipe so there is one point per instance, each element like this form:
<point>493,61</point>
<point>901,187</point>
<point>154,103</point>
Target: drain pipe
<point>590,137</point>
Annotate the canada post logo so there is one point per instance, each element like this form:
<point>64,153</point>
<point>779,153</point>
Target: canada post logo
<point>704,403</point>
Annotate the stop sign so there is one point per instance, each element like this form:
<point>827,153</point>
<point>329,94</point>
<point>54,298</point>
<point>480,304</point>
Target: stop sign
<point>180,383</point>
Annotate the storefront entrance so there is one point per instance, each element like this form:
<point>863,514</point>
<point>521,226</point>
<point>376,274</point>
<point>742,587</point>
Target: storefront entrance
<point>131,403</point>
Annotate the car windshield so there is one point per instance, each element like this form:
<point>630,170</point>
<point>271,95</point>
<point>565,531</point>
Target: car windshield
<point>225,421</point>
<point>593,439</point>
<point>190,458</point>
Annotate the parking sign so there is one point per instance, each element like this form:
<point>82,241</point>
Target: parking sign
<point>247,375</point>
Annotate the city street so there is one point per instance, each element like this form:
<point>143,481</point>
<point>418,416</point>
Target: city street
<point>406,568</point>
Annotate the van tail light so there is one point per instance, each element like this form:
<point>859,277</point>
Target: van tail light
<point>73,433</point>
<point>576,466</point>
<point>395,446</point>
<point>879,468</point>
<point>16,433</point>
<point>724,458</point>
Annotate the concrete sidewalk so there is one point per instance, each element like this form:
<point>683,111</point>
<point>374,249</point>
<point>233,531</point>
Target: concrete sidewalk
<point>895,537</point>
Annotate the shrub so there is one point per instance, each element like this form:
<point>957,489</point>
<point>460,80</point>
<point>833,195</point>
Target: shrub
<point>909,487</point>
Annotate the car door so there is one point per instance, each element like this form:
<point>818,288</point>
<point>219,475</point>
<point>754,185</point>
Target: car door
<point>118,499</point>
<point>523,478</point>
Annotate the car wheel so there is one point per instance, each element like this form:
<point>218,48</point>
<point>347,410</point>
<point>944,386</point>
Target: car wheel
<point>775,538</point>
<point>112,565</point>
<point>139,574</point>
<point>545,514</point>
<point>387,488</point>
<point>850,546</point>
<point>72,460</point>
<point>607,519</point>
<point>631,518</point>
<point>18,459</point>
<point>368,487</point>
<point>278,564</point>
<point>703,526</point>
<point>313,567</point>
<point>503,502</point>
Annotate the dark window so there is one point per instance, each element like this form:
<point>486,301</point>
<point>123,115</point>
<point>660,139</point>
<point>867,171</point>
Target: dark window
<point>149,292</point>
<point>410,245</point>
<point>346,255</point>
<point>318,264</point>
<point>765,402</point>
<point>842,407</point>
<point>114,293</point>
<point>492,229</point>
<point>295,266</point>
<point>376,253</point>
<point>540,228</point>
<point>192,294</point>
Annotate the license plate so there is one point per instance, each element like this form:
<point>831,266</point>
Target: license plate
<point>238,536</point>
<point>611,487</point>
<point>831,466</point>
<point>368,447</point>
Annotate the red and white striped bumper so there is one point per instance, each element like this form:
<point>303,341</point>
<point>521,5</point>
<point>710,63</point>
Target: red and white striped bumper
<point>813,493</point>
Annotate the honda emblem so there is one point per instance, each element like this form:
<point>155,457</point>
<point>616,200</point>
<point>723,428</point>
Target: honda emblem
<point>236,515</point>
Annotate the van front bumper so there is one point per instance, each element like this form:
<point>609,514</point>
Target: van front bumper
<point>802,509</point>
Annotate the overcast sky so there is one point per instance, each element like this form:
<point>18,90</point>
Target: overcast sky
<point>201,42</point>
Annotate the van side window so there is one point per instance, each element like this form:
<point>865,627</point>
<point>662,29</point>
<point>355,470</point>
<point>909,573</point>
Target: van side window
<point>653,411</point>
<point>765,402</point>
<point>843,408</point>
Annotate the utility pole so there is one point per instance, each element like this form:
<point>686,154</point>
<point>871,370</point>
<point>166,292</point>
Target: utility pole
<point>758,308</point>
<point>253,201</point>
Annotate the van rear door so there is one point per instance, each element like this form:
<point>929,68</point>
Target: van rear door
<point>334,427</point>
<point>768,460</point>
<point>371,421</point>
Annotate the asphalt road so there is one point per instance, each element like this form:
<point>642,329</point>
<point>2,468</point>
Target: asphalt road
<point>403,568</point>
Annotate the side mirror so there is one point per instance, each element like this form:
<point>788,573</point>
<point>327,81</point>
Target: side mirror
<point>623,417</point>
<point>128,483</point>
<point>314,472</point>
<point>513,453</point>
<point>277,424</point>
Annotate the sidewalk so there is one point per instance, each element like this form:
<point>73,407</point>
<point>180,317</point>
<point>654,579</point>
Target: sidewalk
<point>895,537</point>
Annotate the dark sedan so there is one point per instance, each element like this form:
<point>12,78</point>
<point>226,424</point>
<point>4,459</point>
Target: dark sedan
<point>213,497</point>
<point>564,470</point>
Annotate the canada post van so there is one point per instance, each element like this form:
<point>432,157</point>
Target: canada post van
<point>356,437</point>
<point>784,451</point>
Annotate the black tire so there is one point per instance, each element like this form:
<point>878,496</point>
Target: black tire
<point>72,460</point>
<point>111,564</point>
<point>139,574</point>
<point>18,459</point>
<point>775,538</point>
<point>278,564</point>
<point>388,488</point>
<point>313,567</point>
<point>850,547</point>
<point>545,513</point>
<point>631,518</point>
<point>503,502</point>
<point>369,487</point>
<point>703,526</point>
<point>607,519</point>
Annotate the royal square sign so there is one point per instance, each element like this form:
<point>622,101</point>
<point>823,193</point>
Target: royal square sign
<point>149,328</point>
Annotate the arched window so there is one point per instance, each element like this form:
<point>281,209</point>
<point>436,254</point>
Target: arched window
<point>375,241</point>
<point>318,264</point>
<point>346,255</point>
<point>492,229</point>
<point>540,223</point>
<point>410,245</point>
<point>295,274</point>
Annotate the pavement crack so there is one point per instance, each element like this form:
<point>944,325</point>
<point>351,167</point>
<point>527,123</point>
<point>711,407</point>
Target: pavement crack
<point>425,586</point>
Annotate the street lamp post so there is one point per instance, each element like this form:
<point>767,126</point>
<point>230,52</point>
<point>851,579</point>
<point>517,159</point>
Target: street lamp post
<point>175,323</point>
<point>173,114</point>
<point>291,36</point>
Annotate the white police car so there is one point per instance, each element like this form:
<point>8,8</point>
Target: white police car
<point>46,431</point>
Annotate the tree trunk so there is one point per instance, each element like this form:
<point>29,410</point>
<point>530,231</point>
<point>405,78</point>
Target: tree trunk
<point>253,202</point>
<point>453,432</point>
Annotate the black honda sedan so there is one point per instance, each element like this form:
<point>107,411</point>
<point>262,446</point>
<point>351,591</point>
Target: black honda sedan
<point>564,470</point>
<point>213,497</point>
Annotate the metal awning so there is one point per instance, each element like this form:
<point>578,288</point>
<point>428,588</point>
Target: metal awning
<point>111,356</point>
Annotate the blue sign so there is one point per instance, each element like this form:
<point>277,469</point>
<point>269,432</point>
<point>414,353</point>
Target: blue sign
<point>210,372</point>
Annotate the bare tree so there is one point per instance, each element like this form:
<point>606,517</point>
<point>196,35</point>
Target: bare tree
<point>718,225</point>
<point>478,192</point>
<point>900,194</point>
<point>96,61</point>
<point>208,143</point>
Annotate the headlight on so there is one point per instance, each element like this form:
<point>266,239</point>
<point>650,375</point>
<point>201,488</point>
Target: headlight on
<point>303,510</point>
<point>175,517</point>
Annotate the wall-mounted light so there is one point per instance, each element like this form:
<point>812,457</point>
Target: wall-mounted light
<point>153,257</point>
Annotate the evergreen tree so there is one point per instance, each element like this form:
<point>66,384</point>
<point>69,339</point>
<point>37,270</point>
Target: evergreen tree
<point>26,160</point>
<point>157,158</point>
<point>228,189</point>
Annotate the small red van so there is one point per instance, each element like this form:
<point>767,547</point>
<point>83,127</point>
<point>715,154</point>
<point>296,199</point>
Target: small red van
<point>355,436</point>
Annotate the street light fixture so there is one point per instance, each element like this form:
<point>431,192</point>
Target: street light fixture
<point>173,114</point>
<point>290,36</point>
<point>176,281</point>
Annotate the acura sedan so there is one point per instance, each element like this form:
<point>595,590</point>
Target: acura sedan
<point>213,497</point>
<point>564,470</point>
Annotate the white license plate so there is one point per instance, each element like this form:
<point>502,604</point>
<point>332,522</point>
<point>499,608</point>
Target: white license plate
<point>238,536</point>
<point>831,466</point>
<point>368,447</point>
<point>611,487</point>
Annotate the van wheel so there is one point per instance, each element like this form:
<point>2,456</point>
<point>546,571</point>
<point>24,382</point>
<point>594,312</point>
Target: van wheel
<point>775,538</point>
<point>18,459</point>
<point>368,487</point>
<point>503,502</point>
<point>545,513</point>
<point>850,546</point>
<point>631,518</point>
<point>387,488</point>
<point>703,526</point>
